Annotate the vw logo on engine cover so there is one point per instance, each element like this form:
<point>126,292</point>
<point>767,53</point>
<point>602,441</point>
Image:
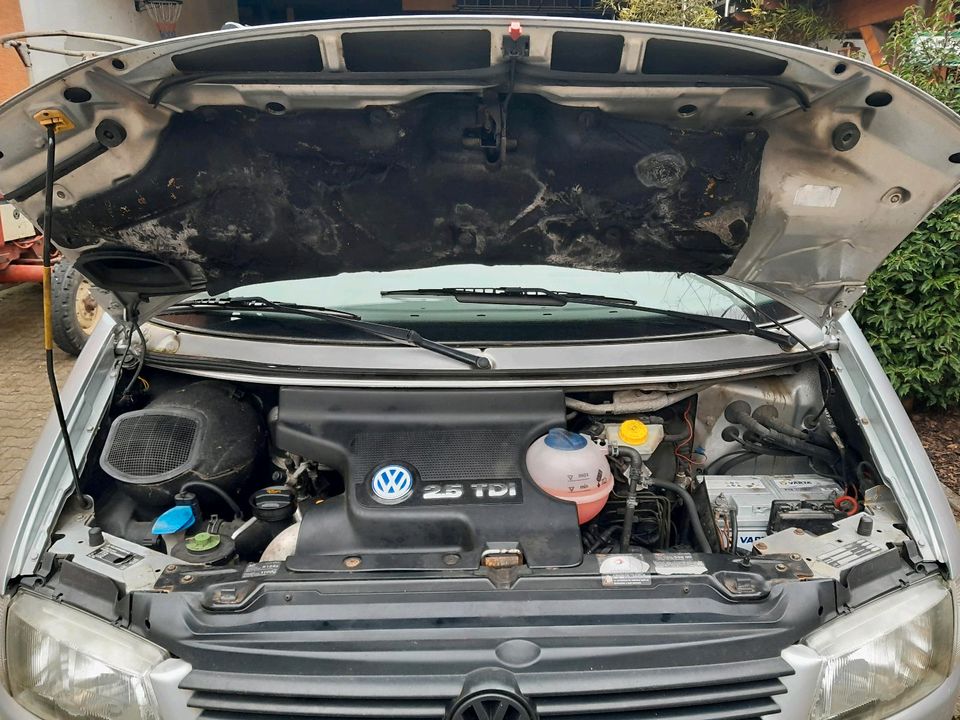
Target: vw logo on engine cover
<point>392,484</point>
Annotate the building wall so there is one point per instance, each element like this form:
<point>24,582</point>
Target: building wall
<point>13,76</point>
<point>110,17</point>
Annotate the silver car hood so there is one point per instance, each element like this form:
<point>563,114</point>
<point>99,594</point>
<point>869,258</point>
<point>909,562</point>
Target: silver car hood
<point>308,149</point>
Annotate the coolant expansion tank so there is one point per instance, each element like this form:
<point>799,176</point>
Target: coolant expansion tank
<point>568,466</point>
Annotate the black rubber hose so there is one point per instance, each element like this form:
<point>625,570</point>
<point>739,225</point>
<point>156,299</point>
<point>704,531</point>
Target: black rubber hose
<point>732,462</point>
<point>712,468</point>
<point>691,506</point>
<point>747,451</point>
<point>785,441</point>
<point>768,449</point>
<point>794,432</point>
<point>633,473</point>
<point>219,492</point>
<point>603,539</point>
<point>687,498</point>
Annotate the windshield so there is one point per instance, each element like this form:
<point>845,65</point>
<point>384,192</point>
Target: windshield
<point>444,318</point>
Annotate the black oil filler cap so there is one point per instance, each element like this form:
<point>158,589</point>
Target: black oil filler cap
<point>273,504</point>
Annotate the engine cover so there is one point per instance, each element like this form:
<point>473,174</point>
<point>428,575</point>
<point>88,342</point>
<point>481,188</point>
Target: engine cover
<point>433,478</point>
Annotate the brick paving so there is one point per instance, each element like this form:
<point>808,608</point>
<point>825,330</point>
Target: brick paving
<point>25,402</point>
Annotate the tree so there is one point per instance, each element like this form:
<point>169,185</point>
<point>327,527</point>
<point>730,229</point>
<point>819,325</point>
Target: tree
<point>911,312</point>
<point>925,50</point>
<point>689,13</point>
<point>801,23</point>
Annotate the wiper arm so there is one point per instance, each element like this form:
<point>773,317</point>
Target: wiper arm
<point>508,296</point>
<point>559,298</point>
<point>255,302</point>
<point>399,335</point>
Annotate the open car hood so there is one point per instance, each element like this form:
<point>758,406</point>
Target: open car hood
<point>309,149</point>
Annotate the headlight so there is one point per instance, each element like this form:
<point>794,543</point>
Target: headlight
<point>66,665</point>
<point>886,655</point>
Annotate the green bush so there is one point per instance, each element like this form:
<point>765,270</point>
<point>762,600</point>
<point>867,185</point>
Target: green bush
<point>801,23</point>
<point>689,13</point>
<point>911,312</point>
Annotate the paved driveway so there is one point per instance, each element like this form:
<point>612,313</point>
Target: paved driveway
<point>25,400</point>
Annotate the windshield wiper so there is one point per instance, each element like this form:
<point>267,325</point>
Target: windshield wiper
<point>559,298</point>
<point>395,334</point>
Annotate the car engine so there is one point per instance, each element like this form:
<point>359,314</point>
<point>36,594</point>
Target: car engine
<point>326,480</point>
<point>432,479</point>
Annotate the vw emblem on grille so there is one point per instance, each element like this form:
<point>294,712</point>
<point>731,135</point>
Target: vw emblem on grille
<point>392,484</point>
<point>492,705</point>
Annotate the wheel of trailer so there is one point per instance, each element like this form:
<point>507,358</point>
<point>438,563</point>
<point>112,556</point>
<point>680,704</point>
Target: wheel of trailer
<point>75,309</point>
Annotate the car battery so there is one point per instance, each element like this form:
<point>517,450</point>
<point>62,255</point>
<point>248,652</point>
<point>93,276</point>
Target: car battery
<point>751,497</point>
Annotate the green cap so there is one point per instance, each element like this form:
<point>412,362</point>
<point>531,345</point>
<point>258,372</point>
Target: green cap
<point>202,542</point>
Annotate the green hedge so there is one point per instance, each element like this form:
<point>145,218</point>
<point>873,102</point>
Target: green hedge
<point>911,312</point>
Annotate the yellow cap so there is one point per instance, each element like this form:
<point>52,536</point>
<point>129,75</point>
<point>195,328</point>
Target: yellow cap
<point>633,432</point>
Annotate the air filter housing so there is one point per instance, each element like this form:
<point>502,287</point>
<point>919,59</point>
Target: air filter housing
<point>151,446</point>
<point>204,431</point>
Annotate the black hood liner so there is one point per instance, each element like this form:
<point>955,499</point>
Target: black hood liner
<point>251,196</point>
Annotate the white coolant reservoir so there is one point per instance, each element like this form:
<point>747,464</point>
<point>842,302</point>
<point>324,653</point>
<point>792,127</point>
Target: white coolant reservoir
<point>569,466</point>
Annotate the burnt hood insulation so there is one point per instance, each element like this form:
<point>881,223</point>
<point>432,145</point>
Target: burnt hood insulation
<point>249,196</point>
<point>305,149</point>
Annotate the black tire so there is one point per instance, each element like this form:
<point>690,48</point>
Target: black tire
<point>73,317</point>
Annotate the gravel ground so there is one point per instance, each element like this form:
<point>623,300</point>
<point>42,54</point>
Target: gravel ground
<point>940,432</point>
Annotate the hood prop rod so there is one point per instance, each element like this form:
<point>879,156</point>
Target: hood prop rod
<point>53,121</point>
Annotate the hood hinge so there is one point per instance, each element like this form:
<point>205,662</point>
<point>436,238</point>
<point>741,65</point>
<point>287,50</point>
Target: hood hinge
<point>124,331</point>
<point>845,298</point>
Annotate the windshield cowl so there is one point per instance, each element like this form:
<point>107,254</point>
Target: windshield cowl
<point>188,344</point>
<point>646,307</point>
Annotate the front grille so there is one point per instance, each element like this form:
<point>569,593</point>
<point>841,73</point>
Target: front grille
<point>732,691</point>
<point>737,701</point>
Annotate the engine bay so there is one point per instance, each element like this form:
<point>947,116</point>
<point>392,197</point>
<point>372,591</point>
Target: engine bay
<point>205,477</point>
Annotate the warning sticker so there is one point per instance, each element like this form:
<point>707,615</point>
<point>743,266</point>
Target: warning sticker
<point>262,569</point>
<point>849,553</point>
<point>625,580</point>
<point>623,570</point>
<point>677,564</point>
